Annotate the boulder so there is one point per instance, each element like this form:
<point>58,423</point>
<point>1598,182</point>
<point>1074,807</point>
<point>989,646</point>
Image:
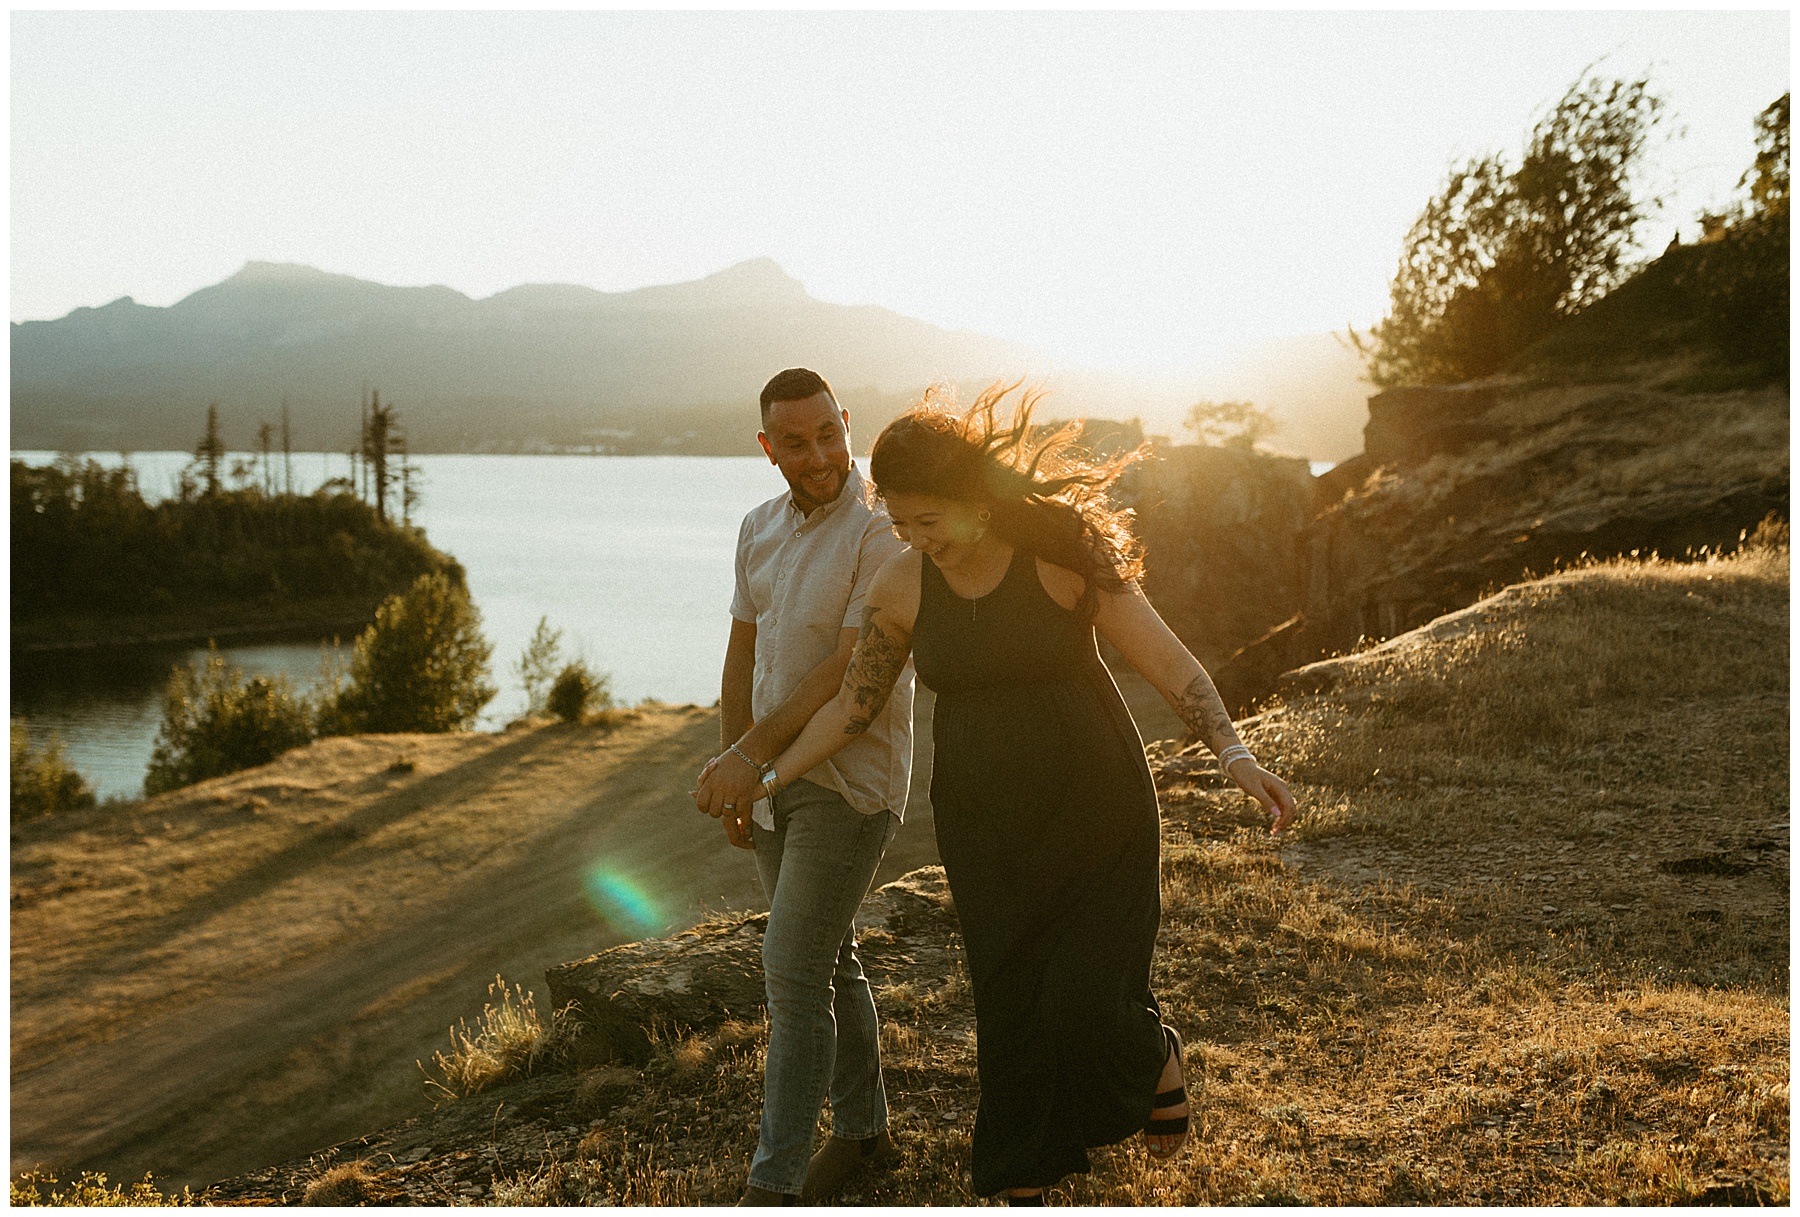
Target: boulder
<point>702,977</point>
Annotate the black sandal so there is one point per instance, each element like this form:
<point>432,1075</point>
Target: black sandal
<point>1175,1126</point>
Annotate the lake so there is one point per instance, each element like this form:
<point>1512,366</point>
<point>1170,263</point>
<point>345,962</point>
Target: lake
<point>630,556</point>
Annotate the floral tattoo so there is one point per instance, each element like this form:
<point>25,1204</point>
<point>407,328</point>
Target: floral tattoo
<point>1205,715</point>
<point>874,668</point>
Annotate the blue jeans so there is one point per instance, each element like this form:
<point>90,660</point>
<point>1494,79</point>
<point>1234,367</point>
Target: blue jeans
<point>823,1036</point>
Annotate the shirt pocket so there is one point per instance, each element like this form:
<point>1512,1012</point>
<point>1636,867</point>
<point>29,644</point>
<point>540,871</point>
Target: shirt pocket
<point>825,600</point>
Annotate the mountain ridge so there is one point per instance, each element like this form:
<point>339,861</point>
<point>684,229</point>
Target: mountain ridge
<point>666,368</point>
<point>555,363</point>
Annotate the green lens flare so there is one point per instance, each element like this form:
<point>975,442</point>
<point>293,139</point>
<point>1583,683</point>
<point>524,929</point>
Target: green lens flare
<point>622,902</point>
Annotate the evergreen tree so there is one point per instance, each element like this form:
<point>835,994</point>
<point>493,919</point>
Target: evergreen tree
<point>380,433</point>
<point>210,451</point>
<point>287,452</point>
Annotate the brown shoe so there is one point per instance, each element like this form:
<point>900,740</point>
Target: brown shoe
<point>839,1159</point>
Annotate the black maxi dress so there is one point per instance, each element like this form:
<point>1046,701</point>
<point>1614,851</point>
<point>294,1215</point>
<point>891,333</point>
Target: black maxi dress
<point>1048,829</point>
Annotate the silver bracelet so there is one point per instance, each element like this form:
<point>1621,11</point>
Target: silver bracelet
<point>739,753</point>
<point>1237,752</point>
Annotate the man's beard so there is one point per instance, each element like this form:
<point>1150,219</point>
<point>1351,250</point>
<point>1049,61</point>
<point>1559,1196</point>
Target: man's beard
<point>804,496</point>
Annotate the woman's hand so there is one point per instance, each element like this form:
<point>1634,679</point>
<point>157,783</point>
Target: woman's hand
<point>727,784</point>
<point>1267,789</point>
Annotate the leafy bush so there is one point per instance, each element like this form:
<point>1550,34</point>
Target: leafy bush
<point>576,691</point>
<point>216,722</point>
<point>1230,424</point>
<point>1505,252</point>
<point>423,665</point>
<point>1740,278</point>
<point>42,782</point>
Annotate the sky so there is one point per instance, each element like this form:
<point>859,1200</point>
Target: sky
<point>1147,191</point>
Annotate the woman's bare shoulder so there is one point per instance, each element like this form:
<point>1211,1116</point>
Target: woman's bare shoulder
<point>896,589</point>
<point>1063,585</point>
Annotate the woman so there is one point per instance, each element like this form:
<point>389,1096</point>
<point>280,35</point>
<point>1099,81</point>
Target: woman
<point>1046,815</point>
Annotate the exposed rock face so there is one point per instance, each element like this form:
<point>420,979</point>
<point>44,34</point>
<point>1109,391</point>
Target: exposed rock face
<point>699,979</point>
<point>1465,488</point>
<point>1223,531</point>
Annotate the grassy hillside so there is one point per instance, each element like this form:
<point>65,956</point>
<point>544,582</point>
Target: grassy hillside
<point>1528,945</point>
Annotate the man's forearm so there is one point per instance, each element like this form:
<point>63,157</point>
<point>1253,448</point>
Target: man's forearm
<point>782,726</point>
<point>734,714</point>
<point>736,683</point>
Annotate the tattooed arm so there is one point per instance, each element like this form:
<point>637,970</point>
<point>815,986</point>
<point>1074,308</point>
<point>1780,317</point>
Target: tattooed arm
<point>883,645</point>
<point>1129,622</point>
<point>1200,708</point>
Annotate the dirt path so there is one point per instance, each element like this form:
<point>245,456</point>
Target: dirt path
<point>247,970</point>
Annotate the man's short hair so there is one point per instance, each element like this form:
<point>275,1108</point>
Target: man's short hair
<point>795,384</point>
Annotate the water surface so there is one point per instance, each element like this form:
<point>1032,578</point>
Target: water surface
<point>631,557</point>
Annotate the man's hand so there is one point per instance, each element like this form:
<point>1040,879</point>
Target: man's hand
<point>737,825</point>
<point>727,783</point>
<point>718,798</point>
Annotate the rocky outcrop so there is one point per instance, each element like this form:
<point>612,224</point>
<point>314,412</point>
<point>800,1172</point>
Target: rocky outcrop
<point>1465,488</point>
<point>1223,531</point>
<point>696,980</point>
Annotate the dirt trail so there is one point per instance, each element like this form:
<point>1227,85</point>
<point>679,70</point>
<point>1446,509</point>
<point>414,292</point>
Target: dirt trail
<point>248,970</point>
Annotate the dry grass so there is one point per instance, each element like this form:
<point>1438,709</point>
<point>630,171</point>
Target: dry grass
<point>509,1041</point>
<point>347,1183</point>
<point>1529,946</point>
<point>673,1135</point>
<point>34,1189</point>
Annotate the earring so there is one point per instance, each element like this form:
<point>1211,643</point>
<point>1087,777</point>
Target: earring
<point>984,515</point>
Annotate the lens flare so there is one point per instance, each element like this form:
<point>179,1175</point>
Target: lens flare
<point>624,904</point>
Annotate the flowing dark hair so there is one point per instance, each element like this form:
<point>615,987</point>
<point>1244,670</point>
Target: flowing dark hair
<point>1046,494</point>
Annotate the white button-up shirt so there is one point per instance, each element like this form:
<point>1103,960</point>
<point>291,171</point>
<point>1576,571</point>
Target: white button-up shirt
<point>801,579</point>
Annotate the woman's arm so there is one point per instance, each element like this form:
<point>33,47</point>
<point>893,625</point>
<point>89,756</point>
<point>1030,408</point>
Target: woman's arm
<point>1127,620</point>
<point>883,645</point>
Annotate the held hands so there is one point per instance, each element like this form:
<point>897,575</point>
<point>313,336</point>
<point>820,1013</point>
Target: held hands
<point>1266,789</point>
<point>727,790</point>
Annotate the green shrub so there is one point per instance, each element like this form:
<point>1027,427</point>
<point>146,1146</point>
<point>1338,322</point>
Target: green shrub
<point>216,722</point>
<point>423,665</point>
<point>42,782</point>
<point>576,691</point>
<point>537,666</point>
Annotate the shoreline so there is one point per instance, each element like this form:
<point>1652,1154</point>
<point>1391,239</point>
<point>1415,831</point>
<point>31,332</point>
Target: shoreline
<point>91,635</point>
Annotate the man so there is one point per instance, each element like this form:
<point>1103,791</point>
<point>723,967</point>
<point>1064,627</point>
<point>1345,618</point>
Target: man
<point>805,561</point>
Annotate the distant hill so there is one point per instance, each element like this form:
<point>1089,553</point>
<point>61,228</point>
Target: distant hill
<point>535,366</point>
<point>555,366</point>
